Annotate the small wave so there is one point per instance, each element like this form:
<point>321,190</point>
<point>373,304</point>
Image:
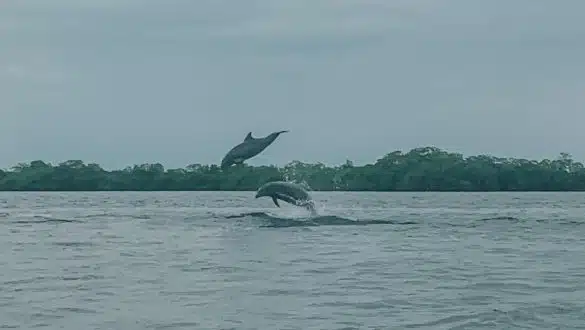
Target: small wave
<point>570,222</point>
<point>73,244</point>
<point>501,218</point>
<point>116,215</point>
<point>248,214</point>
<point>324,220</point>
<point>45,219</point>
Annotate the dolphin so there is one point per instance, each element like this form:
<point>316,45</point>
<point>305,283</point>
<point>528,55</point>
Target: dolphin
<point>289,192</point>
<point>249,148</point>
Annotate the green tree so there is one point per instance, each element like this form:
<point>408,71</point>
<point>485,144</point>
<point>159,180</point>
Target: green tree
<point>420,169</point>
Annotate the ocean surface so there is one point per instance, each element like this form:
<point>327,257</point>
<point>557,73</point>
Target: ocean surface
<point>224,260</point>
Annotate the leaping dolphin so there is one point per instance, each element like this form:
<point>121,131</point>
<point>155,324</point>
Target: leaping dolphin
<point>249,148</point>
<point>289,192</point>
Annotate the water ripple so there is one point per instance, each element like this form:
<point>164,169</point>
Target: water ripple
<point>228,261</point>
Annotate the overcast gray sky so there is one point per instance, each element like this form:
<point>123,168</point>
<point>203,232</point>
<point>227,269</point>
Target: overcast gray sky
<point>120,82</point>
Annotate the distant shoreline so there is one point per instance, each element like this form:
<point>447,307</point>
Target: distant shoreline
<point>312,191</point>
<point>425,169</point>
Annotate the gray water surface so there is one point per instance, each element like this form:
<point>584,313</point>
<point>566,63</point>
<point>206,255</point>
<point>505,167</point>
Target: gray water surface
<point>224,260</point>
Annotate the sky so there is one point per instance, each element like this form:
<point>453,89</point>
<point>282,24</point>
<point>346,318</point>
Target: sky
<point>123,82</point>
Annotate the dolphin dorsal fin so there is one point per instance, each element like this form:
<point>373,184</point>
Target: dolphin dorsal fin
<point>248,137</point>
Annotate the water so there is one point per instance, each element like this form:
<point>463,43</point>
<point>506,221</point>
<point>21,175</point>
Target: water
<point>222,260</point>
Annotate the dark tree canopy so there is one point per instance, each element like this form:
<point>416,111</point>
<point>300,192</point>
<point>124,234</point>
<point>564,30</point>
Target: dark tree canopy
<point>420,169</point>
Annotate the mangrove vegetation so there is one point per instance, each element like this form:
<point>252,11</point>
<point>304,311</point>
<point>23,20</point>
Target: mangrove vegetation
<point>420,169</point>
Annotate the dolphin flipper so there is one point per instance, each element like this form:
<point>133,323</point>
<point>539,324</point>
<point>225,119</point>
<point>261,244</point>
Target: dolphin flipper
<point>307,204</point>
<point>275,201</point>
<point>287,199</point>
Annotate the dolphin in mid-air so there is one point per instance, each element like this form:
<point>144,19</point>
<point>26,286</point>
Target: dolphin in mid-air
<point>249,148</point>
<point>289,192</point>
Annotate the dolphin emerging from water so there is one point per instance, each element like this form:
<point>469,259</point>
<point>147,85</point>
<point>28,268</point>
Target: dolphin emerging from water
<point>289,192</point>
<point>249,148</point>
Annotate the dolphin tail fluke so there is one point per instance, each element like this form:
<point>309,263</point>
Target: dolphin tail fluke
<point>275,201</point>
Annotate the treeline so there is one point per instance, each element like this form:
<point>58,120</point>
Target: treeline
<point>420,169</point>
